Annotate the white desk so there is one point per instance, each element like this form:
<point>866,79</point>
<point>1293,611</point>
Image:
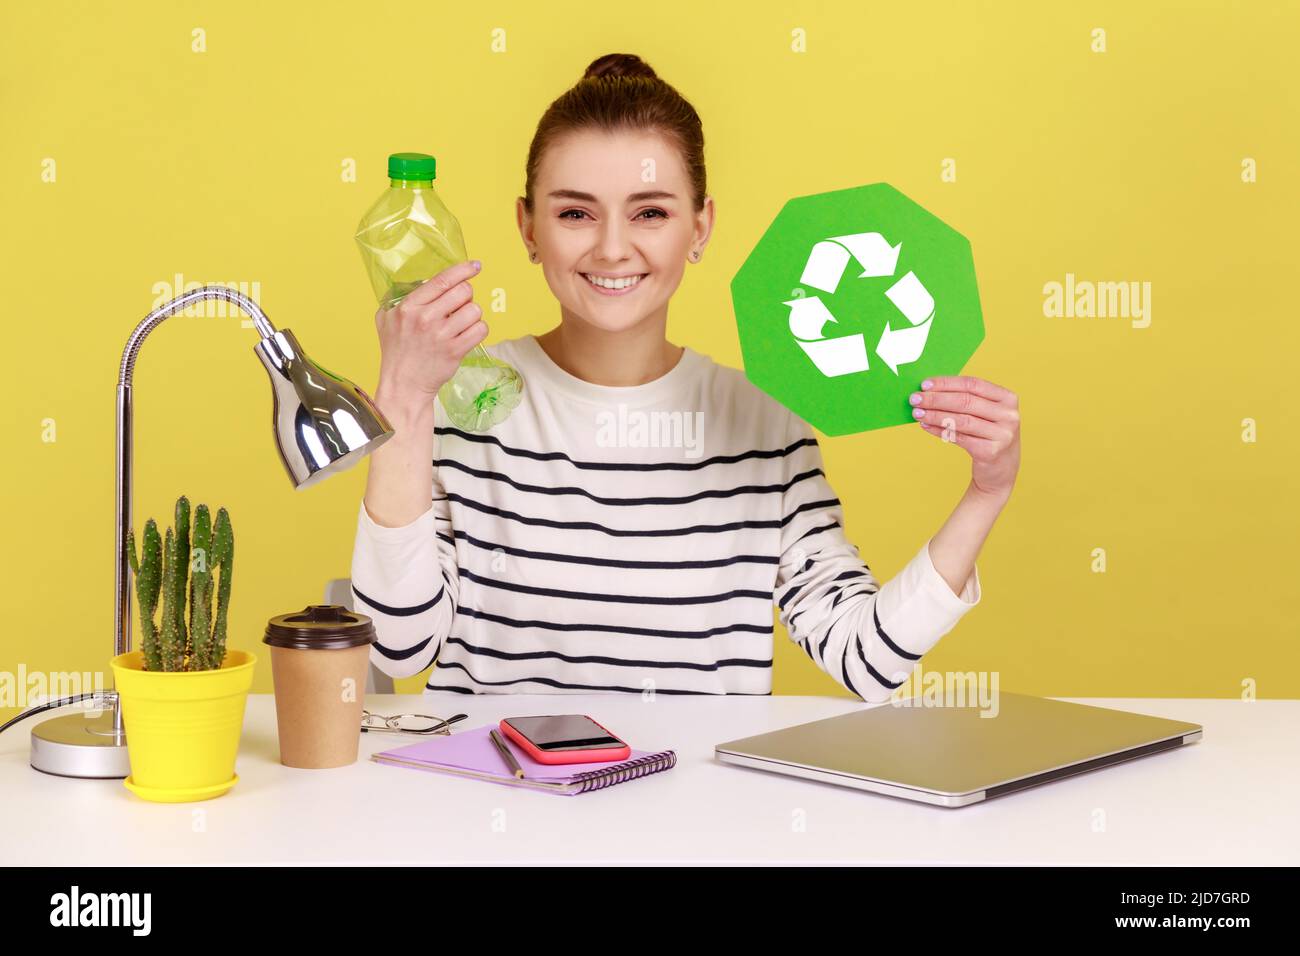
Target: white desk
<point>1230,799</point>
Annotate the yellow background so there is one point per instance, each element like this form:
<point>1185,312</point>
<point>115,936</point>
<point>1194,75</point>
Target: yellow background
<point>1118,166</point>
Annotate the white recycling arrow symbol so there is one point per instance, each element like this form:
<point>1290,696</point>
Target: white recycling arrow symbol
<point>846,354</point>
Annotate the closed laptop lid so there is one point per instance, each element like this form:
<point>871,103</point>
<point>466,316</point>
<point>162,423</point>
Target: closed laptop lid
<point>956,749</point>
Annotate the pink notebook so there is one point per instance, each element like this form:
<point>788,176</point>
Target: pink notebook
<point>471,753</point>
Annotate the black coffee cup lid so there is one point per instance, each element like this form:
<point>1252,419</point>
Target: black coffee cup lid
<point>320,627</point>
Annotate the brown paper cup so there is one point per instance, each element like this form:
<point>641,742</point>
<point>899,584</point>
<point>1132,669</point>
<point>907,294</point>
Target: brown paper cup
<point>319,657</point>
<point>319,695</point>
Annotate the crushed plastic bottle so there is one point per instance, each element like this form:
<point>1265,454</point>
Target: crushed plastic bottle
<point>409,236</point>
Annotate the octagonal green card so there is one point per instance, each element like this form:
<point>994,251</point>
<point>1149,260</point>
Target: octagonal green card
<point>849,300</point>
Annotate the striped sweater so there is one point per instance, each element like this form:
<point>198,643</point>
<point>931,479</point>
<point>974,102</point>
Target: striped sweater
<point>632,538</point>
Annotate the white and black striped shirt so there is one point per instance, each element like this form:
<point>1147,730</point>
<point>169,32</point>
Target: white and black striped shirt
<point>624,538</point>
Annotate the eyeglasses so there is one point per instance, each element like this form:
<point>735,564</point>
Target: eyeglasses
<point>419,724</point>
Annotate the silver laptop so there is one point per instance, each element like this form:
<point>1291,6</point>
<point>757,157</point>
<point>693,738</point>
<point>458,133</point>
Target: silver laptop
<point>955,756</point>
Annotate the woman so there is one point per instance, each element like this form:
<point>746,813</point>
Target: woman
<point>631,524</point>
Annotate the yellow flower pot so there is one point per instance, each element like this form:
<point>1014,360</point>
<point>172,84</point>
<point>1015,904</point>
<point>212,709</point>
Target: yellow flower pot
<point>182,728</point>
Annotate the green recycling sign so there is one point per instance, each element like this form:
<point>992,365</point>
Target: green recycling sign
<point>850,299</point>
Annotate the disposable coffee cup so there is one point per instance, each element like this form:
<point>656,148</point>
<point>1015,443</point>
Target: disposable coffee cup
<point>319,658</point>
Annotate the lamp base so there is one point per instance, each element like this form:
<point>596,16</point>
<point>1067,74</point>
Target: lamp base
<point>78,745</point>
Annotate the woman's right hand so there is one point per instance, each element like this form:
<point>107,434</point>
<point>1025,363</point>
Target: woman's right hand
<point>424,337</point>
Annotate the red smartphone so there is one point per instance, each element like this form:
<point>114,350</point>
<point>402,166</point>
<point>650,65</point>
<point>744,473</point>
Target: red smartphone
<point>571,738</point>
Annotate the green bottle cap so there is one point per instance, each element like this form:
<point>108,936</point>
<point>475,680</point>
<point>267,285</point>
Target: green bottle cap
<point>412,166</point>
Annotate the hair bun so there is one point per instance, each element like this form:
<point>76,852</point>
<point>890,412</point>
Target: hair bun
<point>619,64</point>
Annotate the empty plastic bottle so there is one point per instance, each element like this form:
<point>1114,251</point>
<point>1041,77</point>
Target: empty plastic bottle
<point>409,236</point>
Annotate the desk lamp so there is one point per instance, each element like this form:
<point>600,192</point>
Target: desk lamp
<point>322,425</point>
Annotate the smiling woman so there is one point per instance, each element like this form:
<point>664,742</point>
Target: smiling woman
<point>615,203</point>
<point>566,551</point>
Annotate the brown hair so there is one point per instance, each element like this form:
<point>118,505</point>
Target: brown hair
<point>619,91</point>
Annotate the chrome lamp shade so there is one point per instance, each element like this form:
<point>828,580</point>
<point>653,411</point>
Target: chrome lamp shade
<point>322,424</point>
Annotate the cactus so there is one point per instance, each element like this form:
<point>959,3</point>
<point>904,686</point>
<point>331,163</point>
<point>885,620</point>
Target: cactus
<point>171,643</point>
<point>223,554</point>
<point>148,580</point>
<point>200,569</point>
<point>178,567</point>
<point>182,561</point>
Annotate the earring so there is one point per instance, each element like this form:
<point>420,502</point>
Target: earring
<point>695,256</point>
<point>533,255</point>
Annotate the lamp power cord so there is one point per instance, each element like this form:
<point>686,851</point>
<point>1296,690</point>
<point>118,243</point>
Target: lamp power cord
<point>108,696</point>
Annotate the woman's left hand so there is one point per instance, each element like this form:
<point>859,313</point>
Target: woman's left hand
<point>982,418</point>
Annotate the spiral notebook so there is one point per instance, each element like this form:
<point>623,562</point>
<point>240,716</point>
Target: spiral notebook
<point>472,754</point>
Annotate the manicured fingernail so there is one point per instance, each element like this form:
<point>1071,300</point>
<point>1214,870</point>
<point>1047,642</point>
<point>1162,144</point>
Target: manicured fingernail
<point>918,412</point>
<point>927,384</point>
<point>915,398</point>
<point>477,265</point>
